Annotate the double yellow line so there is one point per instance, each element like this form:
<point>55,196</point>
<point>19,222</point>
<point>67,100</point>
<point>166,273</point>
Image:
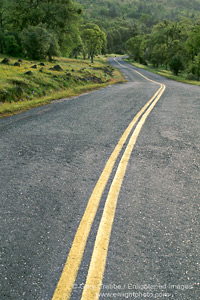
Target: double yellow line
<point>98,261</point>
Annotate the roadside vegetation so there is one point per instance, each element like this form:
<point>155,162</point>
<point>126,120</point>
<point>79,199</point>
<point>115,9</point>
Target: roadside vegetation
<point>171,47</point>
<point>182,77</point>
<point>25,84</point>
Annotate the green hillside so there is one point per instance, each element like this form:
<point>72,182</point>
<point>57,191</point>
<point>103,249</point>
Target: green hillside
<point>122,19</point>
<point>157,10</point>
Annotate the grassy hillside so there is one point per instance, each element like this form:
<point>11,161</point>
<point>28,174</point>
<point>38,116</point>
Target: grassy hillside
<point>21,91</point>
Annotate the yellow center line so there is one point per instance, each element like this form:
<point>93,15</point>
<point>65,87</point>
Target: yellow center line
<point>98,261</point>
<point>71,267</point>
<point>137,72</point>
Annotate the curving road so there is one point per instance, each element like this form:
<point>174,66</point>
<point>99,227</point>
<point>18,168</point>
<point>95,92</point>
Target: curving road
<point>120,164</point>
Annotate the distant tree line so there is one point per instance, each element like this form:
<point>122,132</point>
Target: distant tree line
<point>123,19</point>
<point>40,29</point>
<point>175,45</point>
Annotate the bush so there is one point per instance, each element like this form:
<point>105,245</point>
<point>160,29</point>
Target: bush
<point>11,46</point>
<point>191,76</point>
<point>2,42</point>
<point>53,48</point>
<point>38,43</point>
<point>194,68</point>
<point>5,96</point>
<point>176,64</point>
<point>191,69</point>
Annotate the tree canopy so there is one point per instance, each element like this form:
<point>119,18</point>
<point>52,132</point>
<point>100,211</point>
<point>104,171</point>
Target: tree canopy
<point>170,44</point>
<point>38,29</point>
<point>122,20</point>
<point>94,39</point>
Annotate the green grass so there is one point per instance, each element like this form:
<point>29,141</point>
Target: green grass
<point>166,73</point>
<point>19,92</point>
<point>114,55</point>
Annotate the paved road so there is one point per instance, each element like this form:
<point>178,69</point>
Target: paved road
<point>51,159</point>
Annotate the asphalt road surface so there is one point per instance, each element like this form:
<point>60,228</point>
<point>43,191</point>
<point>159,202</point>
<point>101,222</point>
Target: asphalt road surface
<point>51,159</point>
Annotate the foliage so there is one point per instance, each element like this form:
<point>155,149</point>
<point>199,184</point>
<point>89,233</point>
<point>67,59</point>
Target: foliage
<point>56,14</point>
<point>59,18</point>
<point>122,20</point>
<point>170,44</point>
<point>134,47</point>
<point>11,45</point>
<point>167,9</point>
<point>38,43</point>
<point>94,39</point>
<point>2,41</point>
<point>197,65</point>
<point>176,64</point>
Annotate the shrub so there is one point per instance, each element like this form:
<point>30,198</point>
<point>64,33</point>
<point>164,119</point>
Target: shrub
<point>191,68</point>
<point>53,48</point>
<point>11,46</point>
<point>38,43</point>
<point>2,42</point>
<point>5,96</point>
<point>191,76</point>
<point>176,64</point>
